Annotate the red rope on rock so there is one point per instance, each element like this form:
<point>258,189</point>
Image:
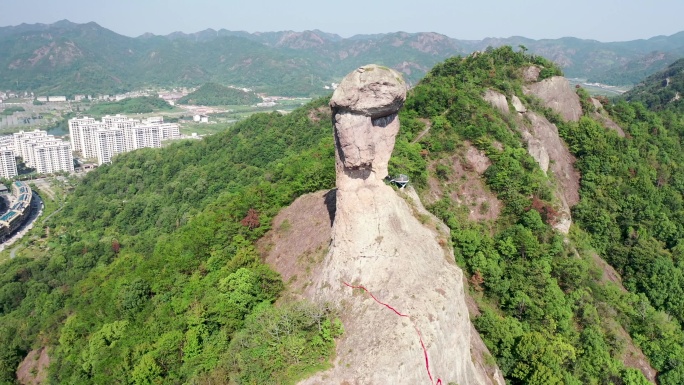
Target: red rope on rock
<point>377,300</point>
<point>420,336</point>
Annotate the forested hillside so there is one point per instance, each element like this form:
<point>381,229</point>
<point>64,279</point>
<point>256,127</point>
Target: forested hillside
<point>548,314</point>
<point>212,94</point>
<point>149,274</point>
<point>662,90</point>
<point>139,105</point>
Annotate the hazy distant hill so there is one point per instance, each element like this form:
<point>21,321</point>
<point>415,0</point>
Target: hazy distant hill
<point>69,58</point>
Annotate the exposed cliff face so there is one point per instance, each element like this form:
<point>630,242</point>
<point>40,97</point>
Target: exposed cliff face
<point>33,370</point>
<point>497,100</point>
<point>378,243</point>
<point>557,94</point>
<point>602,116</point>
<point>300,240</point>
<point>548,149</point>
<point>545,145</point>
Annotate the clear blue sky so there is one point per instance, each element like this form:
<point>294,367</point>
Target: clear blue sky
<point>604,20</point>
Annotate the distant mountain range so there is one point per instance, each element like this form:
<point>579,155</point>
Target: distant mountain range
<point>69,58</point>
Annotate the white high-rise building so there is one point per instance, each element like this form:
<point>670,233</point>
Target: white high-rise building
<point>21,138</point>
<point>87,139</point>
<point>169,131</point>
<point>119,121</point>
<point>53,157</point>
<point>75,127</point>
<point>90,137</point>
<point>43,152</point>
<point>109,142</point>
<point>7,141</point>
<point>142,137</point>
<point>30,146</point>
<point>8,163</point>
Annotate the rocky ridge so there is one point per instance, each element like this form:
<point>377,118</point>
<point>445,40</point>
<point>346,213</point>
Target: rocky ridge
<point>379,242</point>
<point>544,143</point>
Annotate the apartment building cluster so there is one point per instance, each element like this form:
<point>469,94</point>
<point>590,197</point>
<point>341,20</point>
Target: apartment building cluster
<point>8,162</point>
<point>118,134</point>
<point>39,150</point>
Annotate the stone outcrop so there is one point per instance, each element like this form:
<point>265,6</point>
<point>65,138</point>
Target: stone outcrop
<point>500,102</point>
<point>549,150</point>
<point>518,105</point>
<point>33,370</point>
<point>365,107</point>
<point>531,74</point>
<point>497,100</point>
<point>464,184</point>
<point>602,116</point>
<point>379,243</point>
<point>557,94</point>
<point>545,145</point>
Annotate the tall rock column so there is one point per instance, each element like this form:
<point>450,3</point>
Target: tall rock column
<point>379,243</point>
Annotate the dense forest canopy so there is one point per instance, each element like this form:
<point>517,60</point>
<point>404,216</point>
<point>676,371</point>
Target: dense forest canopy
<point>149,273</point>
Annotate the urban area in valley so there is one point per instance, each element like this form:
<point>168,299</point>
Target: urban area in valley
<point>52,139</point>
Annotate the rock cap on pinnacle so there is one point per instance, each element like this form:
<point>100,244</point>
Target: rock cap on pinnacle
<point>371,90</point>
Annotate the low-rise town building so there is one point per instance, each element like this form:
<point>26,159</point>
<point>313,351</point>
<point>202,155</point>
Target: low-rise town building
<point>200,118</point>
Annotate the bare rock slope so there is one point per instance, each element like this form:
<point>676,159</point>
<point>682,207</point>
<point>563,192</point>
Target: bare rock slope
<point>33,370</point>
<point>415,328</point>
<point>545,145</point>
<point>465,184</point>
<point>548,149</point>
<point>557,95</point>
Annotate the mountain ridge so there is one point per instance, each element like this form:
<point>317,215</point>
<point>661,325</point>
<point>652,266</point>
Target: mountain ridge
<point>662,90</point>
<point>99,60</point>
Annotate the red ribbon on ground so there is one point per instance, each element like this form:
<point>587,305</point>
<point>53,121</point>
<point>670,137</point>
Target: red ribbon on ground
<point>420,336</point>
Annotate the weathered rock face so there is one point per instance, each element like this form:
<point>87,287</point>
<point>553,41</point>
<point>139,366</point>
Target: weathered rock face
<point>602,116</point>
<point>33,370</point>
<point>557,95</point>
<point>365,107</point>
<point>378,243</point>
<point>371,90</point>
<point>497,100</point>
<point>518,105</point>
<point>500,102</point>
<point>548,149</point>
<point>531,73</point>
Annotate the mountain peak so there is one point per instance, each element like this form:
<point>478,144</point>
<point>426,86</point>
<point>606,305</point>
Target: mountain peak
<point>65,23</point>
